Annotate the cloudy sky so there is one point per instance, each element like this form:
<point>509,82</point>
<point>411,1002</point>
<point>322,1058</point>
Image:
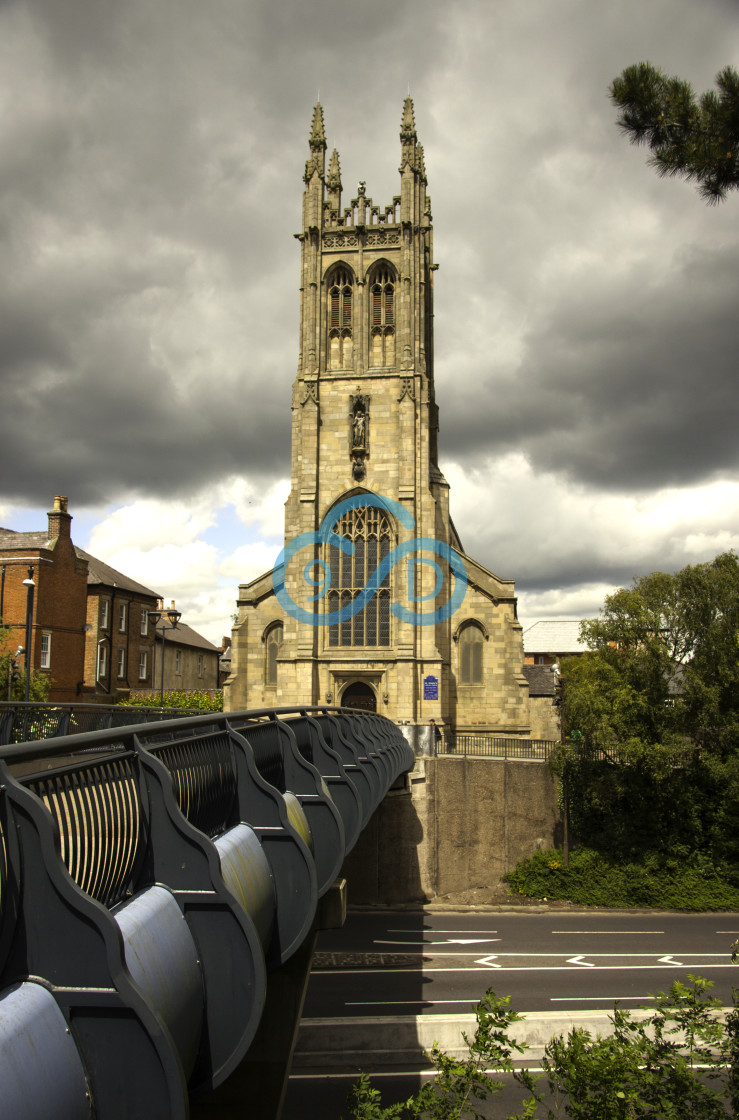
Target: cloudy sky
<point>587,335</point>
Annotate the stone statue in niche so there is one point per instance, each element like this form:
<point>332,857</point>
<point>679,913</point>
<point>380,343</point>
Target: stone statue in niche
<point>358,434</point>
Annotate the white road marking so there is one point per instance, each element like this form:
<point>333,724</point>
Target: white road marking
<point>609,931</point>
<point>592,999</point>
<point>488,961</point>
<point>467,941</point>
<point>671,960</point>
<point>579,960</point>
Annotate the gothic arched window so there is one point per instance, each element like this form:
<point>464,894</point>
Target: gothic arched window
<point>370,531</point>
<point>272,642</point>
<point>340,300</point>
<point>382,317</point>
<point>470,654</point>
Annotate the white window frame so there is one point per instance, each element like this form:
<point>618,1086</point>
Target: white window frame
<point>143,664</point>
<point>122,617</point>
<point>102,669</point>
<point>45,656</point>
<point>121,663</point>
<point>144,622</point>
<point>104,614</point>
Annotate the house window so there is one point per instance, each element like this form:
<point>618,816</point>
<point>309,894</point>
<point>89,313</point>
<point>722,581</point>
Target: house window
<point>340,301</point>
<point>143,664</point>
<point>200,664</point>
<point>144,622</point>
<point>369,530</point>
<point>178,662</point>
<point>382,317</point>
<point>470,654</point>
<point>122,612</point>
<point>45,662</point>
<point>121,664</point>
<point>273,641</point>
<point>104,614</point>
<point>102,661</point>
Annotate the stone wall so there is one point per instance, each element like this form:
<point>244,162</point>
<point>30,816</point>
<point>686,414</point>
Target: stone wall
<point>457,824</point>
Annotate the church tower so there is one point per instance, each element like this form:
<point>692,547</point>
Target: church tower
<point>365,467</point>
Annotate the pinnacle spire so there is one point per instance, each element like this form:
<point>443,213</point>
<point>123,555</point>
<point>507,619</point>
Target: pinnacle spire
<point>408,124</point>
<point>333,182</point>
<point>317,134</point>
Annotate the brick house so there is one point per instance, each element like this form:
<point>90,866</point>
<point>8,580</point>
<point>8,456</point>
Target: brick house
<point>119,647</point>
<point>191,662</point>
<point>58,602</point>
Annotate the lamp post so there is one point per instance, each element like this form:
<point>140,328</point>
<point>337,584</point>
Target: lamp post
<point>30,587</point>
<point>173,617</point>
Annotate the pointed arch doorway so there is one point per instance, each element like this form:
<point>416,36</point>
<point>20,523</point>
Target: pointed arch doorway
<point>359,695</point>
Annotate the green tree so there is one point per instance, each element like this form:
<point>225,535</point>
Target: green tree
<point>656,705</point>
<point>696,138</point>
<point>13,673</point>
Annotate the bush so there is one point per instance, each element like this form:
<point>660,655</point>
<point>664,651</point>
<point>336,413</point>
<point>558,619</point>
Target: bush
<point>678,883</point>
<point>202,701</point>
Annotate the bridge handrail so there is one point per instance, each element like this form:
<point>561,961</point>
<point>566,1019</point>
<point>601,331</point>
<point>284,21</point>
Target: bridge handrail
<point>108,839</point>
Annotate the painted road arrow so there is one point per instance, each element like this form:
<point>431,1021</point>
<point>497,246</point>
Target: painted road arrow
<point>670,960</point>
<point>488,961</point>
<point>579,960</point>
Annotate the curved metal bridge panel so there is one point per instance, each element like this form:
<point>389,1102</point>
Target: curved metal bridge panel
<point>150,877</point>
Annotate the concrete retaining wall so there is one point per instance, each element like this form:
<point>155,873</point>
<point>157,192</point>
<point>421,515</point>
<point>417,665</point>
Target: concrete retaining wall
<point>457,824</point>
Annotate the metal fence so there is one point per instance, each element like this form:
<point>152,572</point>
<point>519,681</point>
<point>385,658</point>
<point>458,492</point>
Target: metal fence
<point>150,877</point>
<point>488,746</point>
<point>28,722</point>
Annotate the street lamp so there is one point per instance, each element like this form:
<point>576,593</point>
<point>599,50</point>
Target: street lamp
<point>30,587</point>
<point>173,617</point>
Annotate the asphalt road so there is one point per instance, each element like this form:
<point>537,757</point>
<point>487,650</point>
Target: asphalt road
<point>412,963</point>
<point>426,963</point>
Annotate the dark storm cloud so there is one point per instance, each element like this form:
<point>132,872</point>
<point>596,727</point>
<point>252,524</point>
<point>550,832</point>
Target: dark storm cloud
<point>630,388</point>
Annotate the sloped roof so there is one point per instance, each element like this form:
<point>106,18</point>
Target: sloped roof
<point>10,539</point>
<point>554,635</point>
<point>184,635</point>
<point>100,573</point>
<point>541,679</point>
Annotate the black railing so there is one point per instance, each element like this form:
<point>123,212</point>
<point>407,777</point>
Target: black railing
<point>490,746</point>
<point>150,877</point>
<point>28,722</point>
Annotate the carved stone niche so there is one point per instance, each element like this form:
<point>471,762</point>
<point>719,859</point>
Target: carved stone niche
<point>359,419</point>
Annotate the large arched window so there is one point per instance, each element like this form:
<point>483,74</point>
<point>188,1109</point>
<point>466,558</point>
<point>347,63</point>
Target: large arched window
<point>370,531</point>
<point>272,642</point>
<point>382,317</point>
<point>340,301</point>
<point>470,654</point>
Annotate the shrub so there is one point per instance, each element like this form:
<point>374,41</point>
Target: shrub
<point>200,700</point>
<point>688,883</point>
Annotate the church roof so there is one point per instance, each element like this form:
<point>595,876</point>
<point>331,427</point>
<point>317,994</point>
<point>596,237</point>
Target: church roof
<point>554,635</point>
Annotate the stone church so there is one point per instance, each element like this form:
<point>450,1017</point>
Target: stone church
<point>373,601</point>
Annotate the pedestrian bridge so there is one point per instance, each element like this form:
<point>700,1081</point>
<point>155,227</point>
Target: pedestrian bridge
<point>154,881</point>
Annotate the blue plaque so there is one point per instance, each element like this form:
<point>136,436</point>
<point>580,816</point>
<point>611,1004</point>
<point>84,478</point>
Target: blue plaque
<point>431,688</point>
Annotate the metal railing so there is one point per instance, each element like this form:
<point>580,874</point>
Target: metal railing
<point>150,877</point>
<point>27,722</point>
<point>488,746</point>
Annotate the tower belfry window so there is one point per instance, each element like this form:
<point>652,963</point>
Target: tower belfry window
<point>382,317</point>
<point>369,530</point>
<point>340,302</point>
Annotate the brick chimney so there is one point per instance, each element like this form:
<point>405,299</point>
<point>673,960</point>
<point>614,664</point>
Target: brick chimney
<point>59,519</point>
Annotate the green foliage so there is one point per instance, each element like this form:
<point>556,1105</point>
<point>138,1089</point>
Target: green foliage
<point>651,716</point>
<point>195,700</point>
<point>459,1082</point>
<point>696,139</point>
<point>671,1063</point>
<point>646,1068</point>
<point>677,882</point>
<point>16,667</point>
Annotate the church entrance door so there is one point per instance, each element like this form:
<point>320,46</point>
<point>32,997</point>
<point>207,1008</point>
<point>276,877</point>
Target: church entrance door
<point>358,695</point>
